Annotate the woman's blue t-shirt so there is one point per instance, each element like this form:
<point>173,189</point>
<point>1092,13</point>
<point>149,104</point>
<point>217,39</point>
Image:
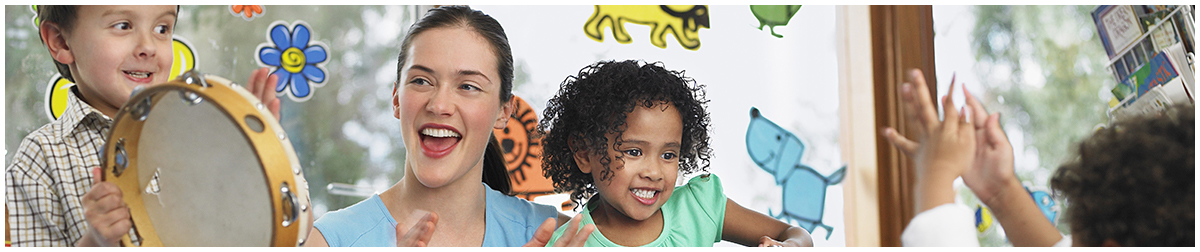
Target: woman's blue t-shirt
<point>510,222</point>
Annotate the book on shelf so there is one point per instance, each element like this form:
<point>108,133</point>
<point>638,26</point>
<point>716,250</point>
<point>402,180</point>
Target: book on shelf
<point>1119,27</point>
<point>1155,72</point>
<point>1164,80</point>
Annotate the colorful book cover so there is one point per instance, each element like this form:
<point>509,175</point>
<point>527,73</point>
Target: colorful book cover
<point>1156,72</point>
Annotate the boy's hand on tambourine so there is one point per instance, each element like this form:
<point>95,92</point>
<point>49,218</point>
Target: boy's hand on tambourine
<point>106,214</point>
<point>419,234</point>
<point>262,85</point>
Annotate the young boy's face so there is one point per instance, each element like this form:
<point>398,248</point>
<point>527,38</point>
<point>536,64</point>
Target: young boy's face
<point>116,48</point>
<point>644,178</point>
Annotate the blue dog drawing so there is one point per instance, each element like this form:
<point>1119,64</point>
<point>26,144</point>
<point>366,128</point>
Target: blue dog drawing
<point>1045,203</point>
<point>779,152</point>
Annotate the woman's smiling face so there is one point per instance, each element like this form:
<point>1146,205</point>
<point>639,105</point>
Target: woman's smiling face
<point>448,102</point>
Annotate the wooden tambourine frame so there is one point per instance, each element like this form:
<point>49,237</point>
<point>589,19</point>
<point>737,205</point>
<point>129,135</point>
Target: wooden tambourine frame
<point>269,143</point>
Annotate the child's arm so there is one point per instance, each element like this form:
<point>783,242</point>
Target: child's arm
<point>262,85</point>
<point>992,179</point>
<point>991,175</point>
<point>749,228</point>
<point>947,148</point>
<point>943,150</point>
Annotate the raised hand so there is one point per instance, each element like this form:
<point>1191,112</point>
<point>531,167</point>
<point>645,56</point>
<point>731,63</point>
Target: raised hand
<point>992,172</point>
<point>572,237</point>
<point>914,103</point>
<point>106,214</point>
<point>943,150</point>
<point>420,233</point>
<point>262,85</point>
<point>991,178</point>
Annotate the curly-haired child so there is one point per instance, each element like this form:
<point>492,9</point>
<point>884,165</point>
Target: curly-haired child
<point>1134,183</point>
<point>618,135</point>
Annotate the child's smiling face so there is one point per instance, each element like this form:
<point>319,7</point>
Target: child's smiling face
<point>113,49</point>
<point>644,177</point>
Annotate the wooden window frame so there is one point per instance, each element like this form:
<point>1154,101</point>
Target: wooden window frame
<point>902,39</point>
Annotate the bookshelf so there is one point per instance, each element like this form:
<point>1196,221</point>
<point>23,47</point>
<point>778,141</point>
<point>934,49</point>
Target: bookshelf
<point>1151,56</point>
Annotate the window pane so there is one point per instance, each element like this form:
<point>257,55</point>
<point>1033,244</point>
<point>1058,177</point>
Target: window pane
<point>1043,68</point>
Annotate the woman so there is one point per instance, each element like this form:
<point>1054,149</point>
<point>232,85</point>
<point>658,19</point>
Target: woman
<point>454,88</point>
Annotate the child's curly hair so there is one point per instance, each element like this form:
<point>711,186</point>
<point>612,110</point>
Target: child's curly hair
<point>1134,182</point>
<point>595,103</point>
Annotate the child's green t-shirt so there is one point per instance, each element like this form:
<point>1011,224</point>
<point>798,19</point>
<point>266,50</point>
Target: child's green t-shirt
<point>692,217</point>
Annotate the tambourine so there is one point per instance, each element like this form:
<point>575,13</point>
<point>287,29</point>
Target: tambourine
<point>201,162</point>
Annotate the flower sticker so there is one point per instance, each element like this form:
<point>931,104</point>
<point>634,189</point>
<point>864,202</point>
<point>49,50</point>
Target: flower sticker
<point>184,57</point>
<point>247,12</point>
<point>297,61</point>
<point>56,96</point>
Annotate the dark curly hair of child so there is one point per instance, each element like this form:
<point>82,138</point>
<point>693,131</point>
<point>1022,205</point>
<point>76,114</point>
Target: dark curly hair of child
<point>595,103</point>
<point>1134,182</point>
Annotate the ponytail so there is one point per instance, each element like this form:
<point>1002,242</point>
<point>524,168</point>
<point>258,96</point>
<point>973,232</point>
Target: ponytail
<point>495,171</point>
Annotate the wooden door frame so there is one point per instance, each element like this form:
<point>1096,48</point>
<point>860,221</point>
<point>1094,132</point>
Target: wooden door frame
<point>901,39</point>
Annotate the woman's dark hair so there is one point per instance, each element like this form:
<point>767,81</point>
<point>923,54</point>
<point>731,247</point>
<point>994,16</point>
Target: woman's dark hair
<point>495,173</point>
<point>595,103</point>
<point>1134,182</point>
<point>484,25</point>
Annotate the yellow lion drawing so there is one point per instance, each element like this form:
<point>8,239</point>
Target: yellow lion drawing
<point>683,21</point>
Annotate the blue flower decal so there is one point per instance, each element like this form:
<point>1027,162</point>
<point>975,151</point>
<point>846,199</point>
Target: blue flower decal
<point>297,61</point>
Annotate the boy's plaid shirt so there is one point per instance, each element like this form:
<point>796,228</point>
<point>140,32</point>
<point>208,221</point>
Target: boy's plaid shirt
<point>51,172</point>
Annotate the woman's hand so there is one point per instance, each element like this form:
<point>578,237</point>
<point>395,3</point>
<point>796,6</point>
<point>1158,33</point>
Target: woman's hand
<point>420,233</point>
<point>570,237</point>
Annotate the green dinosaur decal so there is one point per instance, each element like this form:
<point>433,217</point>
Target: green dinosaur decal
<point>774,15</point>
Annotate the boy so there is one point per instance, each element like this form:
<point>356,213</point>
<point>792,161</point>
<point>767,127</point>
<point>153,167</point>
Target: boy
<point>54,194</point>
<point>1132,184</point>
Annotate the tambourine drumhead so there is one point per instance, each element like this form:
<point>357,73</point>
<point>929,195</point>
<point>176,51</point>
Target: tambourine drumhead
<point>206,166</point>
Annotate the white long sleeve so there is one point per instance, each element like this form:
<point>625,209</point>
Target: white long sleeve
<point>948,225</point>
